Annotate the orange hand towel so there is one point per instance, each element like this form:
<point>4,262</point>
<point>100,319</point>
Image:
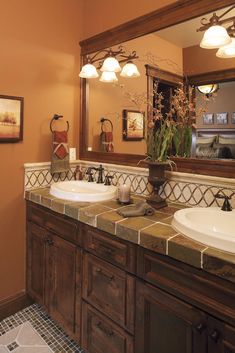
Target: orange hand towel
<point>60,143</point>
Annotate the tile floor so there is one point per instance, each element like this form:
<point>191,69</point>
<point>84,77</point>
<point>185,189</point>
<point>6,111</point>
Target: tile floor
<point>32,331</point>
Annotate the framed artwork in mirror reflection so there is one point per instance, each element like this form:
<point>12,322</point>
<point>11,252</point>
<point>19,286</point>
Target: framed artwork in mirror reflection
<point>133,125</point>
<point>233,118</point>
<point>11,118</point>
<point>222,118</point>
<point>208,119</point>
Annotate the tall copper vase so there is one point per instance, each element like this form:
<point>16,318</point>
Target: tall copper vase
<point>156,179</point>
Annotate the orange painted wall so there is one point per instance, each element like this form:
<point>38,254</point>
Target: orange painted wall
<point>104,14</point>
<point>40,61</point>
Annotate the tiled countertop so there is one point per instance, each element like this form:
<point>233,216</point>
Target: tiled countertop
<point>152,232</point>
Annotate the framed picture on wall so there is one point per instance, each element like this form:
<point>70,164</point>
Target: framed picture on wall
<point>233,118</point>
<point>221,118</point>
<point>208,119</point>
<point>11,118</point>
<point>133,125</point>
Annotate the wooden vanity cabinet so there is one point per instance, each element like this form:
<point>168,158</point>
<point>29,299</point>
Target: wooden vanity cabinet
<point>113,296</point>
<point>53,267</point>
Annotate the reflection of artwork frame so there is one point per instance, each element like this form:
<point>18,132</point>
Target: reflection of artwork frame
<point>11,118</point>
<point>133,125</point>
<point>221,118</point>
<point>233,118</point>
<point>208,119</point>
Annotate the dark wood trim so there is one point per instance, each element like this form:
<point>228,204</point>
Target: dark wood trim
<point>163,75</point>
<point>172,14</point>
<point>212,77</point>
<point>166,16</point>
<point>13,304</point>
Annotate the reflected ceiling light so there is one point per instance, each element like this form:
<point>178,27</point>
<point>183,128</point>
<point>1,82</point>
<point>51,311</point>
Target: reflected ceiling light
<point>109,61</point>
<point>108,76</point>
<point>89,71</point>
<point>228,51</point>
<point>208,89</point>
<point>216,35</point>
<point>130,70</point>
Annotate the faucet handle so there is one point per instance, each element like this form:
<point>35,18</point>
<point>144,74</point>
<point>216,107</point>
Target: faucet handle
<point>90,175</point>
<point>226,205</point>
<point>107,180</point>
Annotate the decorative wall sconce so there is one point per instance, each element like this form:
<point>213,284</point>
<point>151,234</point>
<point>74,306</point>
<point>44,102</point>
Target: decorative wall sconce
<point>217,35</point>
<point>109,64</point>
<point>208,89</point>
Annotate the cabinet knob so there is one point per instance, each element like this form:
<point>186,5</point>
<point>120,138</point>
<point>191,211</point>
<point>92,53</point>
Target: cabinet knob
<point>50,242</point>
<point>215,335</point>
<point>200,327</point>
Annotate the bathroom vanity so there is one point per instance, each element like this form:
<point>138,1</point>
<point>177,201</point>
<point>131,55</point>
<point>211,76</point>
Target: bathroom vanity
<point>113,295</point>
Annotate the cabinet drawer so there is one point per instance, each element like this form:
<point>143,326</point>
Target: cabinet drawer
<point>99,334</point>
<point>36,215</point>
<point>63,227</point>
<point>196,287</point>
<point>110,290</point>
<point>117,252</point>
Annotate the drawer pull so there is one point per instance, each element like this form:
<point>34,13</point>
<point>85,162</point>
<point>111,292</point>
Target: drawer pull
<point>104,274</point>
<point>200,327</point>
<point>215,335</point>
<point>105,330</point>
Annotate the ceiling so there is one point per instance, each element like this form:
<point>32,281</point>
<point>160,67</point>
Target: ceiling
<point>185,34</point>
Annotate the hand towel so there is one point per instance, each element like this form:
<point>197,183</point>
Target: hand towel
<point>60,152</point>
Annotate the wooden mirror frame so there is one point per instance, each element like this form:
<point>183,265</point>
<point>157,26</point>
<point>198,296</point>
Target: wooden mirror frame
<point>167,16</point>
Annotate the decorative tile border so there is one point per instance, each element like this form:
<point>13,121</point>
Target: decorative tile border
<point>191,189</point>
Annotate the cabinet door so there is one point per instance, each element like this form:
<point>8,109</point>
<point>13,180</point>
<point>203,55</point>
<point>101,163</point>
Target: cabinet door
<point>165,324</point>
<point>62,258</point>
<point>35,262</point>
<point>221,337</point>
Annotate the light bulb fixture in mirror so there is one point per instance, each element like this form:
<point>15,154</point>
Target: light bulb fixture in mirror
<point>216,34</point>
<point>108,77</point>
<point>228,51</point>
<point>130,70</point>
<point>108,61</point>
<point>208,89</point>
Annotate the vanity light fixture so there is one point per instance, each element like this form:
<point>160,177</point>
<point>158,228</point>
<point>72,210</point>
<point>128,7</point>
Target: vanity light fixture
<point>208,89</point>
<point>109,63</point>
<point>216,35</point>
<point>227,51</point>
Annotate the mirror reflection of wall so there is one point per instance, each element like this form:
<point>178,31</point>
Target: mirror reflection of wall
<point>174,49</point>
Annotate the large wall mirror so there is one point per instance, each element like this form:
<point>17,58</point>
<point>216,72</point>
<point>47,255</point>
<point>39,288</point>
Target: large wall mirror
<point>167,52</point>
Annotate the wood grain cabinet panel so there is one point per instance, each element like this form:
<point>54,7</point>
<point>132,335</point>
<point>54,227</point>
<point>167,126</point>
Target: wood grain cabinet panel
<point>165,324</point>
<point>63,281</point>
<point>119,253</point>
<point>101,335</point>
<point>109,289</point>
<point>36,237</point>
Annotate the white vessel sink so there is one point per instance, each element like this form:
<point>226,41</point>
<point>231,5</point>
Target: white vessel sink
<point>81,190</point>
<point>208,225</point>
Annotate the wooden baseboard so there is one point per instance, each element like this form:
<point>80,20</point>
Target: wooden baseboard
<point>13,304</point>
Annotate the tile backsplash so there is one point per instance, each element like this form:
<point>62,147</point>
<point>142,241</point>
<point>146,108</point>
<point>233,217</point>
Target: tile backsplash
<point>192,189</point>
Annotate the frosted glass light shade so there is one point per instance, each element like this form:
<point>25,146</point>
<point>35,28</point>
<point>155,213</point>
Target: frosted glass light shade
<point>111,64</point>
<point>215,37</point>
<point>89,71</point>
<point>228,51</point>
<point>108,77</point>
<point>130,70</point>
<point>208,89</point>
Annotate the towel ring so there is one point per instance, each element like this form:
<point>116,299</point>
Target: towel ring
<point>102,120</point>
<point>57,117</point>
